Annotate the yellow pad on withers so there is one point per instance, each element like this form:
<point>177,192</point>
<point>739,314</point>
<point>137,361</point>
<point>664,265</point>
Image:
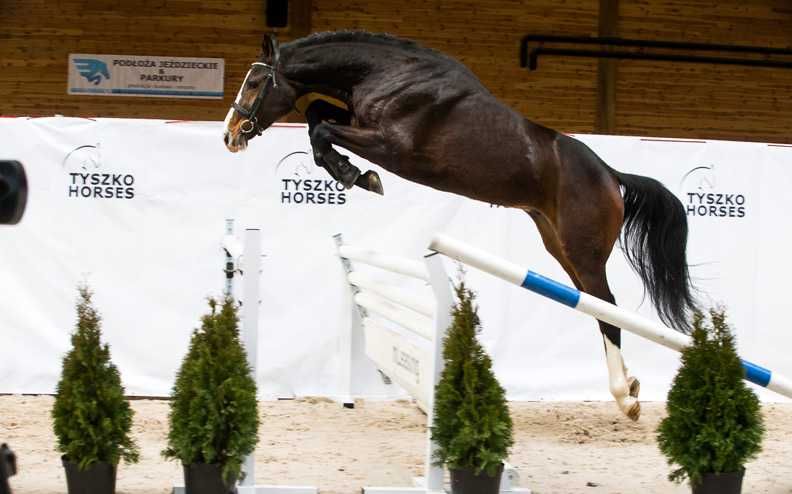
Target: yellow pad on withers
<point>304,101</point>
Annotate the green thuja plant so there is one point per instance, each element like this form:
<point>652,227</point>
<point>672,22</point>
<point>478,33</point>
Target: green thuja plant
<point>91,417</point>
<point>472,426</point>
<point>714,422</point>
<point>213,411</point>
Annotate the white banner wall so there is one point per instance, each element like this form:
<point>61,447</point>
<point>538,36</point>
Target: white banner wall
<point>137,209</point>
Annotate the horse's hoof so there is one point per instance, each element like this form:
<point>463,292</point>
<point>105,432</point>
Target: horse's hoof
<point>370,181</point>
<point>634,413</point>
<point>635,386</point>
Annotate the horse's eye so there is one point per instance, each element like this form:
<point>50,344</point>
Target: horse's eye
<point>253,83</point>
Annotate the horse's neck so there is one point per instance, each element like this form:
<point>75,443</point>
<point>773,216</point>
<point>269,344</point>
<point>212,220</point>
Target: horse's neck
<point>329,69</point>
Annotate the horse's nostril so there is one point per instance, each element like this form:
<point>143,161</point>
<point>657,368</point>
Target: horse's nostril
<point>226,138</point>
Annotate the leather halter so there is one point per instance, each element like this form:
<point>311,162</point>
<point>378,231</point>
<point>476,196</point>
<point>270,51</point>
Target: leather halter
<point>250,124</point>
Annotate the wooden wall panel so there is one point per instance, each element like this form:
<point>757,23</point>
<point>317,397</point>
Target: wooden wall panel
<point>36,37</point>
<point>748,22</point>
<point>664,99</point>
<point>700,100</point>
<point>694,100</point>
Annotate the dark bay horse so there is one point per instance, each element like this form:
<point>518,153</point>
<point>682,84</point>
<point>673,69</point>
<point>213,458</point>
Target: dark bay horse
<point>427,118</point>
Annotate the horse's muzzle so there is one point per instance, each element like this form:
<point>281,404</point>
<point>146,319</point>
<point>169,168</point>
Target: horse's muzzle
<point>236,142</point>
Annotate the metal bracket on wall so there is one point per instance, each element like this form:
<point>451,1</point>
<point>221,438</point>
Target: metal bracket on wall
<point>533,46</point>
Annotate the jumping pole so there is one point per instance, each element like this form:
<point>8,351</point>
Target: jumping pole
<point>583,302</point>
<point>243,260</point>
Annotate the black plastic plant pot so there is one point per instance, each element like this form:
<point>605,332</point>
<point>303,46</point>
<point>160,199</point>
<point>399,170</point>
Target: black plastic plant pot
<point>99,478</point>
<point>720,483</point>
<point>465,481</point>
<point>206,478</point>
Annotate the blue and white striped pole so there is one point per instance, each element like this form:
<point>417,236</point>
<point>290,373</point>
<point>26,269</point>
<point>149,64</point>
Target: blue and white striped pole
<point>583,302</point>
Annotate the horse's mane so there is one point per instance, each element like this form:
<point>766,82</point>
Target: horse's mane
<point>362,37</point>
<point>378,40</point>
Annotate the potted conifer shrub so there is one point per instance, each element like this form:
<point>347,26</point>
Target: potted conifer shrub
<point>472,426</point>
<point>213,411</point>
<point>91,417</point>
<point>714,423</point>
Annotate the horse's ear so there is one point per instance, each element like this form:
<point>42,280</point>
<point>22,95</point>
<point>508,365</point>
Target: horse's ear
<point>269,48</point>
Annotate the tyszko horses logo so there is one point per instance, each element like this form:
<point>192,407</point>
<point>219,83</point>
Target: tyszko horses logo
<point>92,69</point>
<point>703,196</point>
<point>88,178</point>
<point>302,182</point>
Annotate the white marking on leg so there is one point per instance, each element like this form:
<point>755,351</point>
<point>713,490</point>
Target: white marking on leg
<point>617,379</point>
<point>632,382</point>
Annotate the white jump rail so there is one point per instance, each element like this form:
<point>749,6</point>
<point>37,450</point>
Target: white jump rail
<point>412,358</point>
<point>583,302</point>
<point>243,260</point>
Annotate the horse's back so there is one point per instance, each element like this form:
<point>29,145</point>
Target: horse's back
<point>448,131</point>
<point>467,142</point>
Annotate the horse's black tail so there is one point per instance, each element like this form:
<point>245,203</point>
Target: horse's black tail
<point>654,240</point>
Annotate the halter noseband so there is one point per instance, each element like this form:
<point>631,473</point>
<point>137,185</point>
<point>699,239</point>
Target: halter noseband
<point>250,124</point>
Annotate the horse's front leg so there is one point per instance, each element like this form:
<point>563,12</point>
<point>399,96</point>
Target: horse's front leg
<point>316,113</point>
<point>362,142</point>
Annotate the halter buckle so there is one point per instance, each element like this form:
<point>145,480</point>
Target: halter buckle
<point>251,126</point>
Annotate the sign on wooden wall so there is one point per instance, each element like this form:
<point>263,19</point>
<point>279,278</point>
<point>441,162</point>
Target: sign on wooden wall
<point>130,75</point>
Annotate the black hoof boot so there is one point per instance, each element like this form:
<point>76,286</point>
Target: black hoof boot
<point>343,171</point>
<point>370,181</point>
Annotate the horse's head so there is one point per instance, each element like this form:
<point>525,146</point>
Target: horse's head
<point>264,97</point>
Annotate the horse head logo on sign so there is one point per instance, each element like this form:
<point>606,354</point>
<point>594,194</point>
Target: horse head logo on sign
<point>700,177</point>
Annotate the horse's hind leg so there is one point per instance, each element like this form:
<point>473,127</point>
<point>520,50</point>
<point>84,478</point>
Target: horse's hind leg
<point>623,388</point>
<point>582,248</point>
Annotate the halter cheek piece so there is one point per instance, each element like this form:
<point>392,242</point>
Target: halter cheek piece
<point>250,124</point>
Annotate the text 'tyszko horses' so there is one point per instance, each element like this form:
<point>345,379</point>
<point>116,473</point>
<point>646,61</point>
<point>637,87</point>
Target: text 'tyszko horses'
<point>427,118</point>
